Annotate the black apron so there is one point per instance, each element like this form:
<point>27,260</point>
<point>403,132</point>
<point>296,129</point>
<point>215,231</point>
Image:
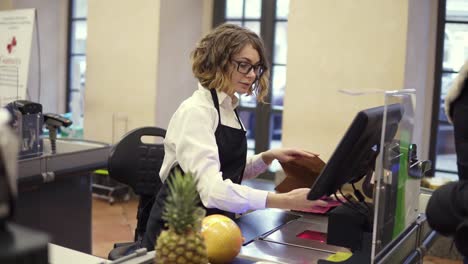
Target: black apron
<point>232,151</point>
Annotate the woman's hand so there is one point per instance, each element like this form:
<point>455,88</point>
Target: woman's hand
<point>285,155</point>
<point>293,200</point>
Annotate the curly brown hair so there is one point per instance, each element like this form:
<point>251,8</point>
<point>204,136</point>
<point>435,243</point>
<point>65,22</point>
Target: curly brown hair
<point>213,54</point>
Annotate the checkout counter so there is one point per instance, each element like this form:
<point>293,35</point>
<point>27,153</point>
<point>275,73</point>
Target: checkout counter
<point>275,240</point>
<point>55,196</point>
<point>302,239</point>
<point>387,227</point>
<point>54,191</point>
<point>53,174</point>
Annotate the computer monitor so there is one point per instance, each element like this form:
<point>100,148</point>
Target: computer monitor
<point>357,151</point>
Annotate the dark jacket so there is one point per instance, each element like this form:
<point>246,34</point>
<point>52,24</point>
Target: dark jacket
<point>447,210</point>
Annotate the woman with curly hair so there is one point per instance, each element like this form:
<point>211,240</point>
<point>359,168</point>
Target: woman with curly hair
<point>207,138</point>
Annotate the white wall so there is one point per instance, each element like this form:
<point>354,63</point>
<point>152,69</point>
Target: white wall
<point>122,56</point>
<point>359,45</point>
<point>419,66</point>
<point>181,26</point>
<point>127,43</point>
<point>207,16</point>
<point>6,4</point>
<point>138,67</point>
<point>332,45</point>
<point>52,25</point>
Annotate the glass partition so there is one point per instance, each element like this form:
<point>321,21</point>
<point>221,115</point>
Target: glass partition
<point>397,174</point>
<point>395,183</point>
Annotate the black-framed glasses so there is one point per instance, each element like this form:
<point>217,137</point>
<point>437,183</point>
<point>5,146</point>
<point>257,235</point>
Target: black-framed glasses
<point>245,67</point>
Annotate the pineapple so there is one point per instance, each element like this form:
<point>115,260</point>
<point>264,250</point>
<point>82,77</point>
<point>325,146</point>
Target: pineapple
<point>182,242</point>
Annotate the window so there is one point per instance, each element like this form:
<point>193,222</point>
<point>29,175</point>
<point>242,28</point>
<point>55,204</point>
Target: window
<point>268,19</point>
<point>451,54</point>
<point>77,57</point>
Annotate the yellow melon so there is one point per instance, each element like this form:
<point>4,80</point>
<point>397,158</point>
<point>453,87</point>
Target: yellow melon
<point>223,238</point>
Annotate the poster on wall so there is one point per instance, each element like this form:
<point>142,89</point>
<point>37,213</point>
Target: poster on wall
<point>16,32</point>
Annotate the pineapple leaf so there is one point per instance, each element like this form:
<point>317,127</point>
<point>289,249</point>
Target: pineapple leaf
<point>181,210</point>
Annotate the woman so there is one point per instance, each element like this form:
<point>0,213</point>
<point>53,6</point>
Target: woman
<point>206,137</point>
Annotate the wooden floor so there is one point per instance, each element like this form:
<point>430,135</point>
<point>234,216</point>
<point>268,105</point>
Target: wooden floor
<point>112,224</point>
<point>435,260</point>
<point>117,222</point>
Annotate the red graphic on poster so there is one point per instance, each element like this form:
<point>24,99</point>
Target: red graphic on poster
<point>11,45</point>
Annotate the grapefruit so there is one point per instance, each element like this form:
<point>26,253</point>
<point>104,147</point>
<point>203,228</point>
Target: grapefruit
<point>223,238</point>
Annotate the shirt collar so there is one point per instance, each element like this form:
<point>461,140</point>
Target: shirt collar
<point>224,98</point>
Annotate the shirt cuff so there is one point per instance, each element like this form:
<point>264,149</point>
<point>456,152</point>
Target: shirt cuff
<point>258,165</point>
<point>258,199</point>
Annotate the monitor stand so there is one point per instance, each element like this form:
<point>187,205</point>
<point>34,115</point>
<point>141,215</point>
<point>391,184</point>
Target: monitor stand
<point>350,228</point>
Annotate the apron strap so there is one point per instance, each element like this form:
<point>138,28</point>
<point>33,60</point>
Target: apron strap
<point>238,119</point>
<point>216,102</point>
<point>216,105</point>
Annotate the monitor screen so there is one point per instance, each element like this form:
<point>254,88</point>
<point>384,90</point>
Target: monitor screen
<point>357,151</point>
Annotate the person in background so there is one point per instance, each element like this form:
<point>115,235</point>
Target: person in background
<point>456,109</point>
<point>206,137</point>
<point>447,209</point>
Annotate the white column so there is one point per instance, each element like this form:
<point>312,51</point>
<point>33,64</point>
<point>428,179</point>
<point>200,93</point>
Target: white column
<point>359,45</point>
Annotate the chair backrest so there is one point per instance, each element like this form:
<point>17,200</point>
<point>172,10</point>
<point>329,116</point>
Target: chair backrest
<point>137,164</point>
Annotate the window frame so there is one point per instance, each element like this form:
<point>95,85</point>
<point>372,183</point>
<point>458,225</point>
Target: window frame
<point>263,112</point>
<point>70,55</point>
<point>439,72</point>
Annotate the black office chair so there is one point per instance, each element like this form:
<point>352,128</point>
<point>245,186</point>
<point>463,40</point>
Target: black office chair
<point>137,164</point>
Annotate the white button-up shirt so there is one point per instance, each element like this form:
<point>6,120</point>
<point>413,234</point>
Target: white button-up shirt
<point>190,142</point>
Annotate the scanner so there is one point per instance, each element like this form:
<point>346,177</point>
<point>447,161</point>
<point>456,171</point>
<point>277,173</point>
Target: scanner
<point>53,122</point>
